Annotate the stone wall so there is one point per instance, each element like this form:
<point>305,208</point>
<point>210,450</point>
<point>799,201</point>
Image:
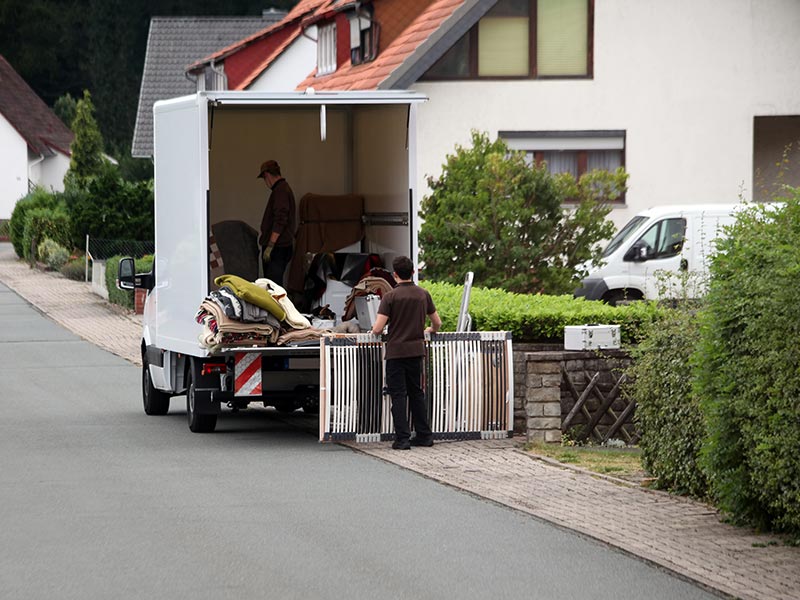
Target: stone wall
<point>543,398</point>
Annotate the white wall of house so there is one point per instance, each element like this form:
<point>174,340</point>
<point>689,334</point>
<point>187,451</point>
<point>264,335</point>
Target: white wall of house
<point>50,172</point>
<point>13,168</point>
<point>684,80</point>
<point>293,65</point>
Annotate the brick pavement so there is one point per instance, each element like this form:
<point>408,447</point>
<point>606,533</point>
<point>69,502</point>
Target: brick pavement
<point>679,534</point>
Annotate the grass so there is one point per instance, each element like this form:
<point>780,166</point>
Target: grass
<point>624,463</point>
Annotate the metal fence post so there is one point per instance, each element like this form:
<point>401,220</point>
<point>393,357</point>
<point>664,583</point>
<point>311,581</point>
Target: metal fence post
<point>86,261</point>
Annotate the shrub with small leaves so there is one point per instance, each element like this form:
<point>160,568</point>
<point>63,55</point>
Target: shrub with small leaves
<point>747,372</point>
<point>38,198</point>
<point>75,269</point>
<point>52,254</point>
<point>668,413</point>
<point>42,223</point>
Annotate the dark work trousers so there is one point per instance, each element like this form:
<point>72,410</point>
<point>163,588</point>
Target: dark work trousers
<point>276,266</point>
<point>404,380</point>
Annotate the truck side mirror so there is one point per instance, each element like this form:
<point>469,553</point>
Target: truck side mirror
<point>638,252</point>
<point>126,274</point>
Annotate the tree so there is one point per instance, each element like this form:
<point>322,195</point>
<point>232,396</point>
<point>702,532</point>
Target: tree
<point>66,108</point>
<point>87,147</point>
<point>491,213</point>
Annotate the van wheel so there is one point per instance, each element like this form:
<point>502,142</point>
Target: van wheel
<point>155,401</point>
<point>617,297</point>
<point>197,423</point>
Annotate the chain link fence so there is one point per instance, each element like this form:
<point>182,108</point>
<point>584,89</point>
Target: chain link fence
<point>100,249</point>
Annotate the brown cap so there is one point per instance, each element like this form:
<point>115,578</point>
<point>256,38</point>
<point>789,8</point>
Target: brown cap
<point>269,166</point>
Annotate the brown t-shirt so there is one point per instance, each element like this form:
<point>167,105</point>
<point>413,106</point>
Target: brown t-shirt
<point>279,215</point>
<point>407,305</point>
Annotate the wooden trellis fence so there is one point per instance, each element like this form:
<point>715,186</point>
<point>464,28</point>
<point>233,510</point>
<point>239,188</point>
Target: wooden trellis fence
<point>594,405</point>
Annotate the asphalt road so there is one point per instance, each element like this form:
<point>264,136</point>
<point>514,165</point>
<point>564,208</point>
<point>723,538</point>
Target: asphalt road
<point>98,500</point>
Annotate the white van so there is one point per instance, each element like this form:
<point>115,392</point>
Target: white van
<point>660,253</point>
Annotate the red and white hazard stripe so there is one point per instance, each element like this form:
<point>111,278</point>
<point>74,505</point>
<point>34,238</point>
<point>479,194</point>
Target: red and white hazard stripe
<point>247,374</point>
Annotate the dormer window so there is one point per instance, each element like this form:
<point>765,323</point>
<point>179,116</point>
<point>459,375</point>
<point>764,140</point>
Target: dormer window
<point>363,37</point>
<point>326,49</point>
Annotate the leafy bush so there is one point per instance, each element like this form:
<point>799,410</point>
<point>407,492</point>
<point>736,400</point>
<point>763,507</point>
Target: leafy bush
<point>108,207</point>
<point>536,318</point>
<point>42,223</point>
<point>38,198</point>
<point>53,254</point>
<point>75,269</point>
<point>748,378</point>
<point>492,213</point>
<point>123,297</point>
<point>668,412</point>
<point>4,228</point>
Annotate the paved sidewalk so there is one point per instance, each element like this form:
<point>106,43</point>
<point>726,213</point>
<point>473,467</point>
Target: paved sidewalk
<point>682,535</point>
<point>74,305</point>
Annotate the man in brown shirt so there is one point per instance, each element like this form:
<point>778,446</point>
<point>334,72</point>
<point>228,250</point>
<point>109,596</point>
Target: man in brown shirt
<point>278,225</point>
<point>404,308</point>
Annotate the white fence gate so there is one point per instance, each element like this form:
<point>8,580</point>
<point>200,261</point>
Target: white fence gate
<point>468,382</point>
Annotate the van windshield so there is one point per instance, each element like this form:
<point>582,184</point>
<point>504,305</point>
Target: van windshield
<point>624,233</point>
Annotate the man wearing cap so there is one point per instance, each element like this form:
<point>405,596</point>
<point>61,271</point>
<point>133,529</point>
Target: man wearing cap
<point>278,223</point>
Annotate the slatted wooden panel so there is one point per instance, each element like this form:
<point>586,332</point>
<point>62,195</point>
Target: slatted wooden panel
<point>468,383</point>
<point>594,404</point>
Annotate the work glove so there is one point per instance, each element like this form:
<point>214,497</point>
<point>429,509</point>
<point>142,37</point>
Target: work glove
<point>267,253</point>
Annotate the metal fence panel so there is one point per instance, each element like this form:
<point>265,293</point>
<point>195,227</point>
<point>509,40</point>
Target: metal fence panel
<point>468,381</point>
<point>100,249</point>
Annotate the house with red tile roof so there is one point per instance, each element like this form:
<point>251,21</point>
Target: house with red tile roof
<point>276,57</point>
<point>34,143</point>
<point>696,100</point>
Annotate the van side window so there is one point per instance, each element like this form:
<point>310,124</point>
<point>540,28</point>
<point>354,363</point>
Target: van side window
<point>665,238</point>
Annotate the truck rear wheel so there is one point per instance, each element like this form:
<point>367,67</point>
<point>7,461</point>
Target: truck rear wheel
<point>197,423</point>
<point>154,400</point>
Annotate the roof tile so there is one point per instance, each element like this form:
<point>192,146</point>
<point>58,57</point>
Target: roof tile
<point>38,125</point>
<point>408,23</point>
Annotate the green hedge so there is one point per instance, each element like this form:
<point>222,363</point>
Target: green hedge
<point>537,318</point>
<point>43,223</point>
<point>748,369</point>
<point>123,297</point>
<point>38,198</point>
<point>668,413</point>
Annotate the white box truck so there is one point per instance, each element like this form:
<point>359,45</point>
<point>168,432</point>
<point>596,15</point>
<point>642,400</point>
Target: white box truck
<point>660,253</point>
<point>207,149</point>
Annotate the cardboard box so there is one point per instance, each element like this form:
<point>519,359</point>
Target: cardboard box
<point>591,337</point>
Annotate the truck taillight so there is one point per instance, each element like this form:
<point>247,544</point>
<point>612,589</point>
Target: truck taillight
<point>212,368</point>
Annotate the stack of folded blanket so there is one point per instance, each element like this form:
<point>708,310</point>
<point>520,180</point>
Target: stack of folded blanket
<point>243,313</point>
<point>259,313</point>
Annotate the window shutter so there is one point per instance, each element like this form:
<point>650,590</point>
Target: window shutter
<point>503,47</point>
<point>562,37</point>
